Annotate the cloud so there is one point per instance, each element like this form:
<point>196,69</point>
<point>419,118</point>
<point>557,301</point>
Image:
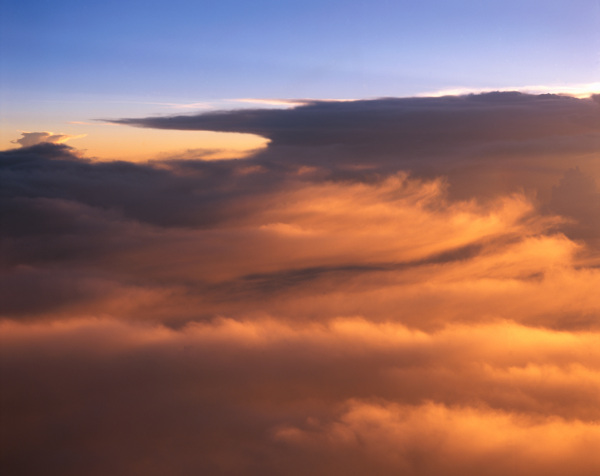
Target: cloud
<point>391,286</point>
<point>433,439</point>
<point>275,102</point>
<point>405,122</point>
<point>264,396</point>
<point>484,144</point>
<point>576,196</point>
<point>584,90</point>
<point>83,123</point>
<point>29,139</point>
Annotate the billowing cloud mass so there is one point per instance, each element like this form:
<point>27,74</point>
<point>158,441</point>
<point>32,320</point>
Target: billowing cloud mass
<point>29,139</point>
<point>396,286</point>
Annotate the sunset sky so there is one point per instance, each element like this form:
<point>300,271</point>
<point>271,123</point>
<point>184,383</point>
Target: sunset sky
<point>300,238</point>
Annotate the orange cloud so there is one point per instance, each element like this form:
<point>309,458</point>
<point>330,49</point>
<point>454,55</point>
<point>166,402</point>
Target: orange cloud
<point>434,439</point>
<point>346,393</point>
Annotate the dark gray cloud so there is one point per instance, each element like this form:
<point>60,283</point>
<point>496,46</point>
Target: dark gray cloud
<point>406,124</point>
<point>480,137</point>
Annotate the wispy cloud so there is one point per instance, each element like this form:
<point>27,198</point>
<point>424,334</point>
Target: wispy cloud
<point>287,102</point>
<point>273,102</point>
<point>83,123</point>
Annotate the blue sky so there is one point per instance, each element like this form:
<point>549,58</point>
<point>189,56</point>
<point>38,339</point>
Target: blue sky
<point>75,60</point>
<point>219,49</point>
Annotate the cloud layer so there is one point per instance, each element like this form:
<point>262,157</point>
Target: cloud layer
<point>392,286</point>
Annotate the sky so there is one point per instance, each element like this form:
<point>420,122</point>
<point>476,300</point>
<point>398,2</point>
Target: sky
<point>290,238</point>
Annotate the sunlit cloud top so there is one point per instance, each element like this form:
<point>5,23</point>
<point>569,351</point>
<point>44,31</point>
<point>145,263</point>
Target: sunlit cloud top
<point>32,138</point>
